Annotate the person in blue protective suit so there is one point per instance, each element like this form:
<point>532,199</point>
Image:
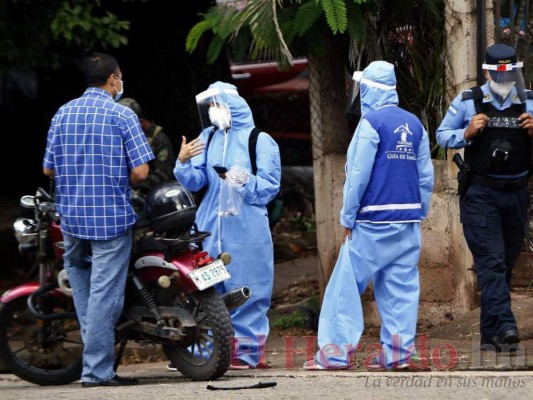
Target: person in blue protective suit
<point>389,181</point>
<point>493,124</point>
<point>245,234</point>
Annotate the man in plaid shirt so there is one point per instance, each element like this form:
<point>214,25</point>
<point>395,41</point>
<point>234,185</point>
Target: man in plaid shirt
<point>96,150</point>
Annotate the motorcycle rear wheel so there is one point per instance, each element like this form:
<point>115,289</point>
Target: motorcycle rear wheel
<point>208,358</point>
<point>50,354</point>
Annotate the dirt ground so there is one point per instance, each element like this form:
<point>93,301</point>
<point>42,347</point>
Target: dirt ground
<point>450,346</point>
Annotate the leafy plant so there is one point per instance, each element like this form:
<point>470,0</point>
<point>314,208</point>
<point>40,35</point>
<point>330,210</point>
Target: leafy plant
<point>40,33</point>
<point>297,319</point>
<point>304,224</point>
<point>306,317</point>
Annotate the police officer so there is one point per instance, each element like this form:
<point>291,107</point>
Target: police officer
<point>494,124</point>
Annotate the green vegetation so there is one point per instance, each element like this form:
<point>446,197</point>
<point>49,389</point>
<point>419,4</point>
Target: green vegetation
<point>304,224</point>
<point>305,317</point>
<point>297,319</point>
<point>42,33</point>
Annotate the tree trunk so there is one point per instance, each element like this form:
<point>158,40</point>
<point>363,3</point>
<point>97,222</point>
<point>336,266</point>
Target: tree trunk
<point>461,37</point>
<point>330,139</point>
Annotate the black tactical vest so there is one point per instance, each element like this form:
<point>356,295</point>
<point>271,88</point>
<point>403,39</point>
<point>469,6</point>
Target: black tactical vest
<point>504,147</point>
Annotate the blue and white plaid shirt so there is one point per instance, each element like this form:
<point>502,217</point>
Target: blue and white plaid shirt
<point>92,145</point>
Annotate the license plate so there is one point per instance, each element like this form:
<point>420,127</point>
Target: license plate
<point>209,275</point>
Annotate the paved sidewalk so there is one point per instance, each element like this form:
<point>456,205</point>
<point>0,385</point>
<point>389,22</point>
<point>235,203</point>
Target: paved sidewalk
<point>157,383</point>
<point>451,367</point>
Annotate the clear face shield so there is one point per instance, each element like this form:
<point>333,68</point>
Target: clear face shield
<point>504,77</point>
<point>353,105</point>
<point>212,110</point>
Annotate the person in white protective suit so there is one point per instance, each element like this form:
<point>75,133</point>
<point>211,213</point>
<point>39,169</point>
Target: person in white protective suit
<point>389,181</point>
<point>244,232</point>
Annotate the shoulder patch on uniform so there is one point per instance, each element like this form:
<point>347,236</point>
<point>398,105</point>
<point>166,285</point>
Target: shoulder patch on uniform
<point>452,110</point>
<point>474,93</point>
<point>467,95</point>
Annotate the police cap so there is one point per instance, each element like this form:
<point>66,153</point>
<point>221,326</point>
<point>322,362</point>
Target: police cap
<point>498,54</point>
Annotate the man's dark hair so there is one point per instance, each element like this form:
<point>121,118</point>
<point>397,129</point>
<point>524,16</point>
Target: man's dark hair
<point>97,67</point>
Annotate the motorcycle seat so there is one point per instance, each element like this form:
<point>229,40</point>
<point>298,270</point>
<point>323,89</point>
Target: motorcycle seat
<point>150,245</point>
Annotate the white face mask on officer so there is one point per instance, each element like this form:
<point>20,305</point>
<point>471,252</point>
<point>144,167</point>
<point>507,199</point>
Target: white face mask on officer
<point>219,117</point>
<point>502,89</point>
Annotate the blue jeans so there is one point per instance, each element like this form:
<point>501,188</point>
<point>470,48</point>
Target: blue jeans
<point>97,271</point>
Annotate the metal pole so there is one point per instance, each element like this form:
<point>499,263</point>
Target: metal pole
<point>481,38</point>
<point>498,20</point>
<point>527,44</point>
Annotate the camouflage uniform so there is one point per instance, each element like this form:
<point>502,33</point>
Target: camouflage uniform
<point>161,168</point>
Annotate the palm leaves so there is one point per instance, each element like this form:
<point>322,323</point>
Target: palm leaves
<point>226,21</point>
<point>274,24</point>
<point>335,15</point>
<point>306,15</point>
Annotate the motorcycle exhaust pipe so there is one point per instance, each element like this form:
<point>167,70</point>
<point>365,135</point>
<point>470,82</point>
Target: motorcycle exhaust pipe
<point>236,297</point>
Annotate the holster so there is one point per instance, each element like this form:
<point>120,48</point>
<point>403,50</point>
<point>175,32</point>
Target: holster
<point>463,181</point>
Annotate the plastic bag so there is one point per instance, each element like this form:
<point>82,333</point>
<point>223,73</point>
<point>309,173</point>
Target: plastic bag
<point>232,192</point>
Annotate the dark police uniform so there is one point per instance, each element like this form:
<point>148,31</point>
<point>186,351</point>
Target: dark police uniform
<point>494,208</point>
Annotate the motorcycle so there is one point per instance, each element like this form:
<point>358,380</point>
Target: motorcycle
<point>170,298</point>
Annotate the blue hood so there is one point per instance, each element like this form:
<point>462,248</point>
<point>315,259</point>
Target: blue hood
<point>378,86</point>
<point>241,114</point>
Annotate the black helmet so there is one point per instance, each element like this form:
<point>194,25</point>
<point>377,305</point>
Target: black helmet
<point>170,208</point>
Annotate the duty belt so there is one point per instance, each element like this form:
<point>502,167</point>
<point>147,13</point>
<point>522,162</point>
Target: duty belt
<point>500,184</point>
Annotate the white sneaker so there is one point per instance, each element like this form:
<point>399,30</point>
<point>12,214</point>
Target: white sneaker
<point>312,364</point>
<point>171,367</point>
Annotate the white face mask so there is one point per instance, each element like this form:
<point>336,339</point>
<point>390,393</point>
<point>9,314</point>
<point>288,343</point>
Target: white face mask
<point>502,89</point>
<point>219,117</point>
<point>119,93</point>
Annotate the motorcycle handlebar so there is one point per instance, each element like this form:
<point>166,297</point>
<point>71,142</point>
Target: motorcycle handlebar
<point>44,194</point>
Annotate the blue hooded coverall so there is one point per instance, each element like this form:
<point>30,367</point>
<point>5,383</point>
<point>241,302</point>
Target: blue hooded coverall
<point>383,204</point>
<point>245,236</point>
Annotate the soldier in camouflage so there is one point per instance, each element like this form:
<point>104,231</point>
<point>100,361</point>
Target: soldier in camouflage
<point>161,168</point>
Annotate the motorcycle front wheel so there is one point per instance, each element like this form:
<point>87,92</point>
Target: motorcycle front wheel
<point>40,352</point>
<point>208,357</point>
